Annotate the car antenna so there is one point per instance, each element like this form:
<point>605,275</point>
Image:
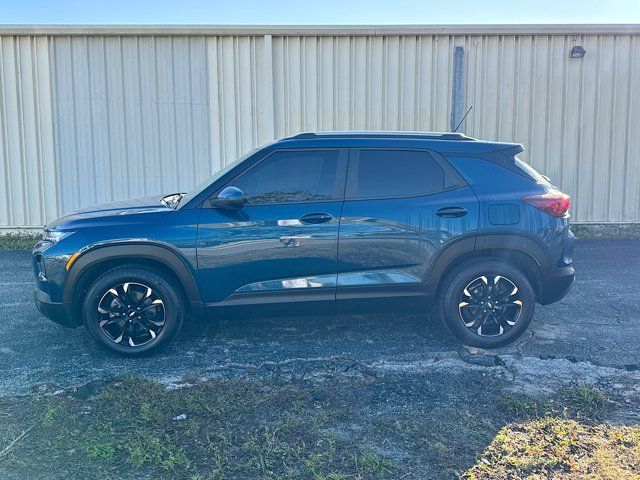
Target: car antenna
<point>462,119</point>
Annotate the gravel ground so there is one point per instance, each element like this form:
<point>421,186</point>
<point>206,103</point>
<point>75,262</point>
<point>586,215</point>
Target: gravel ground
<point>590,337</point>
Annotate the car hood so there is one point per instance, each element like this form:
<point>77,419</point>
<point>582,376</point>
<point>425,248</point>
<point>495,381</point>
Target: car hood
<point>114,209</point>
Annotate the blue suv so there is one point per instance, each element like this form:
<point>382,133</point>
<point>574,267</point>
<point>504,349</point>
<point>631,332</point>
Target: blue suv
<point>320,223</point>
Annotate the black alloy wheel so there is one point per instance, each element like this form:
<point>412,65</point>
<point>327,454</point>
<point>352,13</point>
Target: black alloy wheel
<point>490,305</point>
<point>486,302</point>
<point>133,310</point>
<point>131,313</point>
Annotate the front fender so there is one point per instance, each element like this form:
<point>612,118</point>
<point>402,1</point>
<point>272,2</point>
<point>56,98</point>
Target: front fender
<point>165,255</point>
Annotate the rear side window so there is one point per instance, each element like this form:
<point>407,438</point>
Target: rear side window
<point>397,173</point>
<point>291,176</point>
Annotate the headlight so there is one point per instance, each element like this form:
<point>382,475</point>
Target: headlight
<point>54,236</point>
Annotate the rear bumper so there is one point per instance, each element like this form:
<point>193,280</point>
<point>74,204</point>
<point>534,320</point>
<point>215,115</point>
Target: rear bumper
<point>61,313</point>
<point>556,283</point>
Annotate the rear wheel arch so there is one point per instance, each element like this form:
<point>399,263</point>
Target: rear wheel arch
<point>94,263</point>
<point>521,251</point>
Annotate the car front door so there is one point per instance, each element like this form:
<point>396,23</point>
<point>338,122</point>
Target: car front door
<point>402,207</point>
<point>281,246</point>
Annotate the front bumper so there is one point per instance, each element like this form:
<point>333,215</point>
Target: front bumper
<point>61,313</point>
<point>556,283</point>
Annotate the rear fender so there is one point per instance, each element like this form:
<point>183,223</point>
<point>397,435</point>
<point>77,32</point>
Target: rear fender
<point>469,248</point>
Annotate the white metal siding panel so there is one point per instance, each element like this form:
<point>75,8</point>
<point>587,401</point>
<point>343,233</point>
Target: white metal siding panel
<point>27,174</point>
<point>90,117</point>
<point>574,116</point>
<point>132,116</point>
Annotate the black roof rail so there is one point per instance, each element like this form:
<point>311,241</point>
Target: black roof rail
<point>384,134</point>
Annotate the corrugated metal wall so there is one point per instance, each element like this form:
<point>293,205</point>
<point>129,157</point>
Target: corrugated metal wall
<point>86,119</point>
<point>28,189</point>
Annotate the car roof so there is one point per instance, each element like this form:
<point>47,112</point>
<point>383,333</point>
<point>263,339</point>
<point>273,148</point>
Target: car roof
<point>383,134</point>
<point>445,142</point>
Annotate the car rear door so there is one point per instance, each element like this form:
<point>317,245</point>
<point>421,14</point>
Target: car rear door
<point>282,245</point>
<point>402,207</point>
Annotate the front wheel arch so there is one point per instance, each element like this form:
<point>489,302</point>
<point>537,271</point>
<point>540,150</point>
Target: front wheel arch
<point>94,263</point>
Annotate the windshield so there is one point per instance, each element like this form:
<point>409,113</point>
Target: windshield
<point>204,184</point>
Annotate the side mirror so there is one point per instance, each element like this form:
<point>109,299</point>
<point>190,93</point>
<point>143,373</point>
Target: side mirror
<point>229,197</point>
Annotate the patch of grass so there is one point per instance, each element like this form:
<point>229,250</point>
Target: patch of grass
<point>557,448</point>
<point>582,402</point>
<point>133,428</point>
<point>49,416</point>
<point>18,241</point>
<point>620,230</point>
<point>375,464</point>
<point>523,407</point>
<point>349,429</point>
<point>96,450</point>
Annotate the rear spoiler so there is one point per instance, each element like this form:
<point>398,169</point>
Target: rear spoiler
<point>507,160</point>
<point>510,149</point>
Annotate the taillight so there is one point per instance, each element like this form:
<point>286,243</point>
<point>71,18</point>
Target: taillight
<point>555,204</point>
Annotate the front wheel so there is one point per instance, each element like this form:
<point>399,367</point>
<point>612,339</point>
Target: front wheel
<point>133,311</point>
<point>487,304</point>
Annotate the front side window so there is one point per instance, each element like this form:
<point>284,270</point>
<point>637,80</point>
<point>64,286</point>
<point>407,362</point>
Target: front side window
<point>294,176</point>
<point>395,173</point>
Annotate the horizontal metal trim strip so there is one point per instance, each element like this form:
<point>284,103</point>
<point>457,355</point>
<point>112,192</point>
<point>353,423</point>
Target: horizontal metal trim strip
<point>318,30</point>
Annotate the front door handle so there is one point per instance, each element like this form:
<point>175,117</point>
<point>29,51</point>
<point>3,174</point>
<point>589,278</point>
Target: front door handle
<point>451,212</point>
<point>315,218</point>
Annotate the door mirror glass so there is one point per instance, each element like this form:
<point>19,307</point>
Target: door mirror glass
<point>229,197</point>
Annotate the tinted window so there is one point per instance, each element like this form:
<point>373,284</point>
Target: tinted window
<point>394,173</point>
<point>292,176</point>
<point>529,170</point>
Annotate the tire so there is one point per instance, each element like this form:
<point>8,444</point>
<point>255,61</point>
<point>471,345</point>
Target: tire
<point>111,317</point>
<point>478,318</point>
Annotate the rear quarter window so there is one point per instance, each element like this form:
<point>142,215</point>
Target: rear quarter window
<point>530,171</point>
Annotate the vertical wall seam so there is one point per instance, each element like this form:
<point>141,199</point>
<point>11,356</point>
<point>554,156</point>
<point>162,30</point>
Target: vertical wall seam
<point>91,117</point>
<point>627,132</point>
<point>37,127</point>
<point>563,111</point>
<point>21,132</point>
<point>50,166</point>
<point>5,136</point>
<point>594,136</point>
<point>612,116</point>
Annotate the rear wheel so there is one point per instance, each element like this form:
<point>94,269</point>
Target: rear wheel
<point>487,304</point>
<point>133,311</point>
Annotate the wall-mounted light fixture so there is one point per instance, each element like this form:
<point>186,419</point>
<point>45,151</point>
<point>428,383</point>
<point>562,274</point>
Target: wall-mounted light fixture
<point>577,51</point>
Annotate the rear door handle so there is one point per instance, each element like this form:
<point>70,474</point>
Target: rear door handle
<point>315,218</point>
<point>451,212</point>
